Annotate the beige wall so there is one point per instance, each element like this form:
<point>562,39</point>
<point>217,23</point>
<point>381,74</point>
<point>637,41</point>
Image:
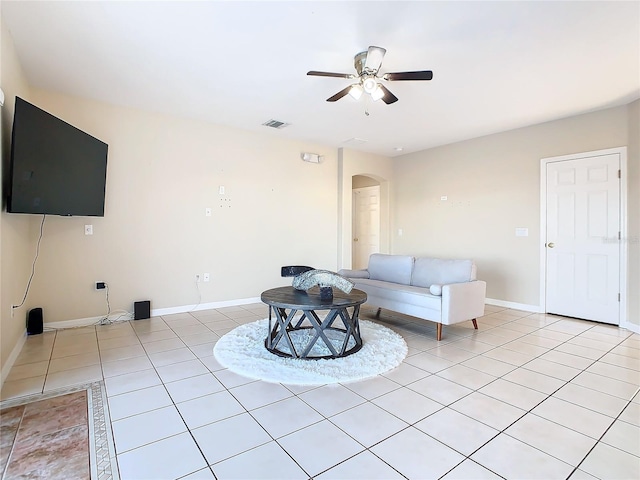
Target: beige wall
<point>492,186</point>
<point>16,246</point>
<point>352,163</point>
<point>162,174</point>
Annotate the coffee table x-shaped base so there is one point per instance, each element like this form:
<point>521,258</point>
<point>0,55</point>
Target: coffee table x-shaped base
<point>282,327</point>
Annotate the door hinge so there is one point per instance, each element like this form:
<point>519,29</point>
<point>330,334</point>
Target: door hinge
<point>619,236</point>
<point>618,297</point>
<point>619,173</point>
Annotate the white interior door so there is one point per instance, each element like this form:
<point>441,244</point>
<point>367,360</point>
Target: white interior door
<point>582,242</point>
<point>366,225</point>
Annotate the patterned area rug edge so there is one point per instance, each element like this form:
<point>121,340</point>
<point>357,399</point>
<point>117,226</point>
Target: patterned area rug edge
<point>102,454</point>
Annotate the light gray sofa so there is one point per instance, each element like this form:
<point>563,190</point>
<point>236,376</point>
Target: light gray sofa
<point>444,291</point>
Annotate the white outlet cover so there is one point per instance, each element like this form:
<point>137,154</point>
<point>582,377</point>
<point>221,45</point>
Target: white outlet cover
<point>522,232</point>
<point>444,198</point>
<point>88,229</point>
<point>221,190</point>
<point>205,277</point>
<point>207,212</point>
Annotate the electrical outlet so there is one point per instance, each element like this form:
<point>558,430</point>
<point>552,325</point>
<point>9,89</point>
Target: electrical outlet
<point>205,277</point>
<point>197,278</point>
<point>88,229</point>
<point>100,285</point>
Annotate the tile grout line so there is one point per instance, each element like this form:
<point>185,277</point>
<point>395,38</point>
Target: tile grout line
<point>155,368</point>
<point>401,386</point>
<point>503,431</point>
<point>188,430</point>
<point>410,425</point>
<point>574,336</point>
<point>246,410</point>
<point>532,408</point>
<point>599,440</point>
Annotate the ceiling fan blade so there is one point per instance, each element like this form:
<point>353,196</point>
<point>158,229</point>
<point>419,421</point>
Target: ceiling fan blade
<point>331,74</point>
<point>421,75</point>
<point>389,97</point>
<point>340,94</point>
<point>374,58</point>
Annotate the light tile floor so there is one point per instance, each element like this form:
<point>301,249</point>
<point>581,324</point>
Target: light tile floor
<point>525,396</point>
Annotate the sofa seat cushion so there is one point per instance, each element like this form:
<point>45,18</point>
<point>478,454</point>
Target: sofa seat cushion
<point>399,293</point>
<point>391,268</point>
<point>439,271</point>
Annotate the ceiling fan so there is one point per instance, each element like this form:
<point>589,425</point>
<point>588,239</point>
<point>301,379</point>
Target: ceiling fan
<point>367,66</point>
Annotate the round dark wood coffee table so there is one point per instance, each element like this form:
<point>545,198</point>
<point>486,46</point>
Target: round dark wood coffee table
<point>285,302</point>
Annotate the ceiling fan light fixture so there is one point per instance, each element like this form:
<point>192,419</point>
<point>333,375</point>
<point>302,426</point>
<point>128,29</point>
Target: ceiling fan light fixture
<point>370,85</point>
<point>356,91</point>
<point>377,94</point>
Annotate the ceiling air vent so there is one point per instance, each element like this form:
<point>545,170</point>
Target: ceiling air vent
<point>275,124</point>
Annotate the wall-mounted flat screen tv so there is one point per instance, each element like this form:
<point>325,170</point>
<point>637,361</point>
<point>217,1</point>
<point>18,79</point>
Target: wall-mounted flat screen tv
<point>55,169</point>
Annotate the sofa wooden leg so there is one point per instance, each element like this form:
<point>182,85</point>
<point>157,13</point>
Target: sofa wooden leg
<point>475,323</point>
<point>378,313</point>
<point>439,331</point>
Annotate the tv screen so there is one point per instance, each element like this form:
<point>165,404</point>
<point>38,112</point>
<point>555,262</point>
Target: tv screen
<point>56,169</point>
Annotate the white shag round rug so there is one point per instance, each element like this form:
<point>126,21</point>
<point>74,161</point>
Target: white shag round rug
<point>242,351</point>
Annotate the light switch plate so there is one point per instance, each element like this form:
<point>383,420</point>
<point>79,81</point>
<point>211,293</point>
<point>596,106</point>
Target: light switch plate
<point>522,232</point>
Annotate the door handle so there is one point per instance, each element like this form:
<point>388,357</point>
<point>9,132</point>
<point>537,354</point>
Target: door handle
<point>551,244</point>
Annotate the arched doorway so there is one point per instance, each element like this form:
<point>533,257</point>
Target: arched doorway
<point>353,164</point>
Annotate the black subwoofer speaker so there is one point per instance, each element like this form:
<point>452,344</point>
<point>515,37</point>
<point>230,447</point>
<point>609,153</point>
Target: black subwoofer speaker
<point>141,310</point>
<point>34,321</point>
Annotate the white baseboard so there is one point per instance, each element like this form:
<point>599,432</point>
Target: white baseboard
<point>631,327</point>
<point>514,305</point>
<point>6,368</point>
<point>80,322</point>
<point>204,306</point>
<point>83,322</point>
<point>536,309</point>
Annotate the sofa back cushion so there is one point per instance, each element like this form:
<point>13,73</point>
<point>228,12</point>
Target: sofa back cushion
<point>391,268</point>
<point>440,271</point>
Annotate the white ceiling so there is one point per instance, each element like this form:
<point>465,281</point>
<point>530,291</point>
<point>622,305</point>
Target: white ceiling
<point>497,65</point>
